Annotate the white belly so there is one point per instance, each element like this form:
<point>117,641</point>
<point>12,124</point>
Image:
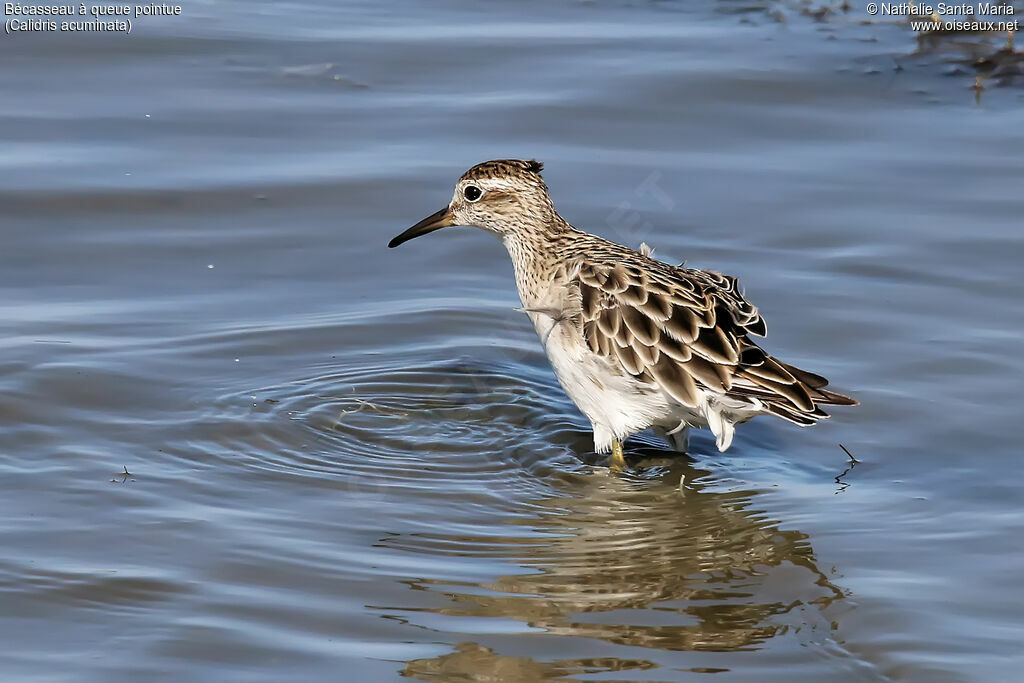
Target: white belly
<point>616,404</point>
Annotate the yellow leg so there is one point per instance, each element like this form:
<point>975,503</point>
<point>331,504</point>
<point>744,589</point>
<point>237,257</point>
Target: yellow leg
<point>618,460</point>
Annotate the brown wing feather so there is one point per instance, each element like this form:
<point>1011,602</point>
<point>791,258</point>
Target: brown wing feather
<point>688,331</point>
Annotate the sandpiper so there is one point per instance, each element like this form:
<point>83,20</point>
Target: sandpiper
<point>635,342</point>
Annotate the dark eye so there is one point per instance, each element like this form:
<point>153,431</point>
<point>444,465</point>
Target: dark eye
<point>472,193</point>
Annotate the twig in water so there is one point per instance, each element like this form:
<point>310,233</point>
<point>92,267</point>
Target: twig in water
<point>124,476</point>
<point>843,485</point>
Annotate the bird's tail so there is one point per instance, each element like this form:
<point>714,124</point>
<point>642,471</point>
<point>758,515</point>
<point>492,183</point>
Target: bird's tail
<point>785,390</point>
<point>816,385</point>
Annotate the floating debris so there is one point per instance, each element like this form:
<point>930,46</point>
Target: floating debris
<point>124,476</point>
<point>963,38</point>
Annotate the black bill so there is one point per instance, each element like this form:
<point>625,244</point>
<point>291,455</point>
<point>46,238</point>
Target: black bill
<point>441,219</point>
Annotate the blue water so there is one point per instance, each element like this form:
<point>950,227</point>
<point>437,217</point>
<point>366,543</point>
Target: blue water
<point>244,441</point>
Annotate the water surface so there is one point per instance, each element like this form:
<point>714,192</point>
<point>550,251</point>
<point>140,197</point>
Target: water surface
<point>243,441</point>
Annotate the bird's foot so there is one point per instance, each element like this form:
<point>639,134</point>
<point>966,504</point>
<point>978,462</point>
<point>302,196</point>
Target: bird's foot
<point>617,462</point>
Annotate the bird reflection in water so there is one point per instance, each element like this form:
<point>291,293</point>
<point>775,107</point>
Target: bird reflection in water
<point>638,561</point>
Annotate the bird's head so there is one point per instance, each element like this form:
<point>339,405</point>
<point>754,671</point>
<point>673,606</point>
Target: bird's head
<point>506,197</point>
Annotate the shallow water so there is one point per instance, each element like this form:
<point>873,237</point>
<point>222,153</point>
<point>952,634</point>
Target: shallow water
<point>242,440</point>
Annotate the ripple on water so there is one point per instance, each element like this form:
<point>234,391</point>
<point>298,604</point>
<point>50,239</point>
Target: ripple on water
<point>666,558</point>
<point>474,432</point>
<point>493,518</point>
<point>641,563</point>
